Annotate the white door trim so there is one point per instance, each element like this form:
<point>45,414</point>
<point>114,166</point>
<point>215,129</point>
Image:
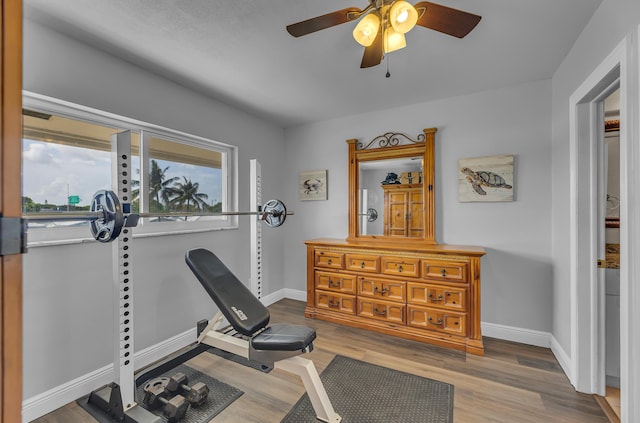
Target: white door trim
<point>586,312</point>
<point>630,239</point>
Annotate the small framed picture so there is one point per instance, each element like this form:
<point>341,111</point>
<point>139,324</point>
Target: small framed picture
<point>313,185</point>
<point>485,179</point>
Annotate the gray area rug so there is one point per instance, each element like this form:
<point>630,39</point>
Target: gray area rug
<point>365,393</point>
<point>221,395</point>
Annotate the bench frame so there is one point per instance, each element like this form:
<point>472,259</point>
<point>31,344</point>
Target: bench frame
<point>288,361</point>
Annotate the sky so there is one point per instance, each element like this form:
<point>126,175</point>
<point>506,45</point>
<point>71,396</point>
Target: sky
<point>51,172</point>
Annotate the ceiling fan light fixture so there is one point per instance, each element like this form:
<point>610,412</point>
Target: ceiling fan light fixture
<point>367,29</point>
<point>393,40</point>
<point>403,16</point>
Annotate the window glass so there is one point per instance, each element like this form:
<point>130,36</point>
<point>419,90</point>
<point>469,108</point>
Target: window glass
<point>67,157</point>
<point>184,178</point>
<point>64,162</point>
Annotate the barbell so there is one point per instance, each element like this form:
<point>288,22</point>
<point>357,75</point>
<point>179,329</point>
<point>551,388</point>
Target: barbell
<point>106,217</point>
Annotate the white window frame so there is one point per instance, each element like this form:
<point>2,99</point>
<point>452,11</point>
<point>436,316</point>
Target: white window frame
<point>39,237</point>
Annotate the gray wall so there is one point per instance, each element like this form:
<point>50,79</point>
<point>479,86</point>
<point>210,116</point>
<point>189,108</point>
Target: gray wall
<point>67,289</point>
<point>517,270</point>
<point>525,274</point>
<point>613,20</point>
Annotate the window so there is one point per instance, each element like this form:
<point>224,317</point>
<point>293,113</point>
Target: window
<point>183,177</point>
<point>67,157</point>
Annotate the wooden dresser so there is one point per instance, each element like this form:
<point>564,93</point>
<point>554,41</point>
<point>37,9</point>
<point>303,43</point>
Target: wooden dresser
<point>396,279</point>
<point>427,293</point>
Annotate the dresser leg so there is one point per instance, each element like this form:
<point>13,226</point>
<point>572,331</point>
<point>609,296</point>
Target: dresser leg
<point>475,346</point>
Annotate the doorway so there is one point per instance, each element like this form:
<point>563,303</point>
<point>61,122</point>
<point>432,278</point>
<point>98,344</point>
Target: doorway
<point>610,277</point>
<point>586,120</point>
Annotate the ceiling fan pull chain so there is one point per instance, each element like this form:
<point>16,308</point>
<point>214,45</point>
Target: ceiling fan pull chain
<point>388,73</point>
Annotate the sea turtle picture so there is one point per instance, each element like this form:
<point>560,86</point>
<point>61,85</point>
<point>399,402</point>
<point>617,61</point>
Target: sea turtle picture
<point>481,178</point>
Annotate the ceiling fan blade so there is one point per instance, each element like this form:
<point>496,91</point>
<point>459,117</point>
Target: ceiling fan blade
<point>445,19</point>
<point>325,21</point>
<point>373,54</point>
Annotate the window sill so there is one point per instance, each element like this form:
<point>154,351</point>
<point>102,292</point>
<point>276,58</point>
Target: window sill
<point>74,241</point>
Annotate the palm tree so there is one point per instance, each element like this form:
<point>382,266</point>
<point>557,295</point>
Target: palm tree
<point>187,193</point>
<point>159,187</point>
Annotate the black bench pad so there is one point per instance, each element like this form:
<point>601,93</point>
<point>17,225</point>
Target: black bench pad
<point>283,337</point>
<point>242,309</point>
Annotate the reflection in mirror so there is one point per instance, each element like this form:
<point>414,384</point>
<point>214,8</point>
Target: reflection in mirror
<point>373,176</point>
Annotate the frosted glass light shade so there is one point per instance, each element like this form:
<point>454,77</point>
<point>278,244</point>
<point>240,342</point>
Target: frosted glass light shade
<point>403,16</point>
<point>367,29</point>
<point>393,40</point>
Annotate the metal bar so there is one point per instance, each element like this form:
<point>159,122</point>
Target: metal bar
<point>71,216</point>
<point>89,216</point>
<point>190,214</point>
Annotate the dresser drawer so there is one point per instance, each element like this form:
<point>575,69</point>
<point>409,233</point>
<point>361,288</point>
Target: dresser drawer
<point>438,320</point>
<point>329,259</point>
<point>400,266</point>
<point>336,282</point>
<point>382,288</point>
<point>363,263</point>
<point>341,303</point>
<point>445,270</point>
<point>437,296</point>
<point>382,310</point>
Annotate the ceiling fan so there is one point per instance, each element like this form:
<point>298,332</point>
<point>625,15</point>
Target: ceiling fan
<point>385,22</point>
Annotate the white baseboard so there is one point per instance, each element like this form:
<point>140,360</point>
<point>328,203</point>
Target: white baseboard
<point>613,381</point>
<point>563,359</point>
<point>521,335</point>
<point>272,298</point>
<point>295,294</point>
<point>46,402</point>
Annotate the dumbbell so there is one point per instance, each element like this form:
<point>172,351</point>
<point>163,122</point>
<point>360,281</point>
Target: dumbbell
<point>196,394</point>
<point>156,394</point>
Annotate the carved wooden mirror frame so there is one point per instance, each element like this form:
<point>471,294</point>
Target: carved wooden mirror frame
<point>390,146</point>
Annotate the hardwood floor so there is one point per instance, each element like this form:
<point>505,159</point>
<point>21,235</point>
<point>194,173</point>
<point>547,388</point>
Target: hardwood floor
<point>511,383</point>
<point>610,404</point>
<point>613,399</point>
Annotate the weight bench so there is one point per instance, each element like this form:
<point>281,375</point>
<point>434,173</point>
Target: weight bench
<point>278,345</point>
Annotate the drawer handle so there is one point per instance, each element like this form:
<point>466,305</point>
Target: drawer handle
<point>334,284</point>
<point>332,304</point>
<point>439,322</point>
<point>362,265</point>
<point>400,268</point>
<point>444,273</point>
<point>382,312</point>
<point>381,292</point>
<point>329,262</point>
<point>440,298</point>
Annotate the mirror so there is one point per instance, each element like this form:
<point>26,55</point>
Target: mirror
<point>391,189</point>
<point>383,181</point>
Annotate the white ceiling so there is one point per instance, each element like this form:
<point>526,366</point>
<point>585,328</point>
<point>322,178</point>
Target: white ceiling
<point>240,53</point>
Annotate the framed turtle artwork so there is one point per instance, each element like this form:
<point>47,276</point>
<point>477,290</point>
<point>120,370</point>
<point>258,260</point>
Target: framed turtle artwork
<point>485,179</point>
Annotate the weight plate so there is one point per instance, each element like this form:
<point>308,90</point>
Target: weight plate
<point>372,215</point>
<point>160,381</point>
<point>275,213</point>
<point>107,228</point>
